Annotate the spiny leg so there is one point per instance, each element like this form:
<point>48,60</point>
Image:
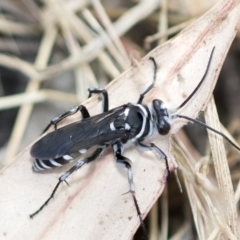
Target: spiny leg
<point>152,84</point>
<point>156,149</point>
<point>82,109</point>
<point>78,165</point>
<point>124,162</point>
<point>104,97</point>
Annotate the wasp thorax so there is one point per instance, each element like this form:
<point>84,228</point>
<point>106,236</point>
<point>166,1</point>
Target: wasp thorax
<point>162,117</point>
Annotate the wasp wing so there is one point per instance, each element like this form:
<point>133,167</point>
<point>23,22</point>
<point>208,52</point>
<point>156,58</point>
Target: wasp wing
<point>80,135</point>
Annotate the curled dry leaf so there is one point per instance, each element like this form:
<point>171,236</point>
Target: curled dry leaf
<point>94,207</point>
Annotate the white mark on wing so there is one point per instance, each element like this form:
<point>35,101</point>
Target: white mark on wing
<point>67,157</point>
<point>82,151</point>
<point>112,127</point>
<point>54,163</point>
<point>144,115</point>
<point>127,126</point>
<point>43,164</point>
<point>126,112</point>
<point>36,167</point>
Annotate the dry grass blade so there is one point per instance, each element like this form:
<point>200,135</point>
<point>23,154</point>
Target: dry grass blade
<point>9,27</point>
<point>170,31</point>
<point>25,111</point>
<point>206,200</point>
<point>221,167</point>
<point>34,97</point>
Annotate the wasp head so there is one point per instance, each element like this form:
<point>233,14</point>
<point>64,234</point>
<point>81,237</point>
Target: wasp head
<point>160,113</point>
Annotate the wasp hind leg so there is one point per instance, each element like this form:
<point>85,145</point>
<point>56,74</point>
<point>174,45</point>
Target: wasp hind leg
<point>99,151</point>
<point>82,109</point>
<point>125,162</point>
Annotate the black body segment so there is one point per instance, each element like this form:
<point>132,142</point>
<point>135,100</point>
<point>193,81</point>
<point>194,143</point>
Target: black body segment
<point>120,124</point>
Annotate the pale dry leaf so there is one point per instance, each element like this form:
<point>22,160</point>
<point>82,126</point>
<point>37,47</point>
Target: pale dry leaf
<point>221,168</point>
<point>93,207</point>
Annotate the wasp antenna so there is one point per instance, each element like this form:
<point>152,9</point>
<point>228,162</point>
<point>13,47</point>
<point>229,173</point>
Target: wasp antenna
<point>155,69</point>
<point>208,127</point>
<point>200,83</point>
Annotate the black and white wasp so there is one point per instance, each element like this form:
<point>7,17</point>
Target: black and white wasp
<point>118,128</point>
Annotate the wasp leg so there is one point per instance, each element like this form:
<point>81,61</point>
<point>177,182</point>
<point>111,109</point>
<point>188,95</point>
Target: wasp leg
<point>156,149</point>
<point>104,98</point>
<point>125,162</point>
<point>84,112</point>
<point>152,84</point>
<point>99,151</point>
